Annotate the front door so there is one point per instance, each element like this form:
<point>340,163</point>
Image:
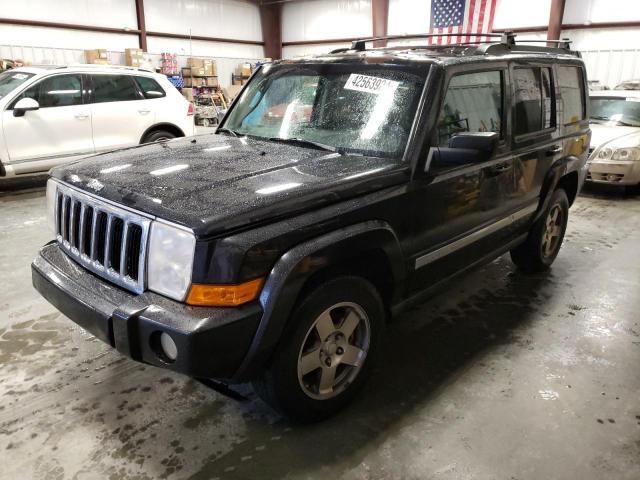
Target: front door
<point>461,206</point>
<point>59,131</point>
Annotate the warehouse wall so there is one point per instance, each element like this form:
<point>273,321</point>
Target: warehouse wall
<point>215,18</point>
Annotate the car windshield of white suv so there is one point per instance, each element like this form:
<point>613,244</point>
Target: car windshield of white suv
<point>620,111</point>
<point>10,80</point>
<point>361,109</point>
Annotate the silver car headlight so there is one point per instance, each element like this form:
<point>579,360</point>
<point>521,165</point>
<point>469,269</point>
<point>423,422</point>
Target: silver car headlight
<point>632,153</point>
<point>51,205</point>
<point>170,260</point>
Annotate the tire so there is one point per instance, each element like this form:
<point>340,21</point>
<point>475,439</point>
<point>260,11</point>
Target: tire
<point>542,245</point>
<point>348,313</point>
<point>158,136</point>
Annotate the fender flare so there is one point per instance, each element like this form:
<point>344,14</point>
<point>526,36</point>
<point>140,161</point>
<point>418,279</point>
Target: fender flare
<point>288,276</point>
<point>558,170</point>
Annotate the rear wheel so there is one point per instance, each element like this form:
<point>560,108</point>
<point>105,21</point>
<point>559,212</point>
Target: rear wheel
<point>545,238</point>
<point>158,136</point>
<point>326,354</point>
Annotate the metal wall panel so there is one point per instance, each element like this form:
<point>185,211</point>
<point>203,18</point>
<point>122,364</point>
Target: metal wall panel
<point>408,16</point>
<point>212,18</point>
<point>326,19</point>
<point>62,38</point>
<point>103,13</point>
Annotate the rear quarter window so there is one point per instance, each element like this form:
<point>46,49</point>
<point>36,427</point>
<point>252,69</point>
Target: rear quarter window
<point>571,85</point>
<point>150,88</point>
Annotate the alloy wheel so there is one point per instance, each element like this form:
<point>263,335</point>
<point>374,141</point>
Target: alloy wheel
<point>334,350</point>
<point>553,231</point>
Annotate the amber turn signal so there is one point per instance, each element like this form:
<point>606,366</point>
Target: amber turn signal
<point>205,295</point>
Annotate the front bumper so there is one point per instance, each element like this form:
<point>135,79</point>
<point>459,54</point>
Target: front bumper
<point>211,342</point>
<point>614,172</point>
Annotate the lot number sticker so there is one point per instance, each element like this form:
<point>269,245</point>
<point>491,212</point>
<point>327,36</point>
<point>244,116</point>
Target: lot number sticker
<point>375,85</point>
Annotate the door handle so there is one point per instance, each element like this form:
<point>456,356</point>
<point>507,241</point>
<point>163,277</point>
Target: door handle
<point>81,116</point>
<point>501,167</point>
<point>553,151</point>
<point>143,112</point>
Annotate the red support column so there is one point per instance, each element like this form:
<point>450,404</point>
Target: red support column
<point>380,19</point>
<point>271,20</point>
<point>555,19</point>
<point>141,24</point>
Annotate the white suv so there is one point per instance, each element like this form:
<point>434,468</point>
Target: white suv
<point>52,115</point>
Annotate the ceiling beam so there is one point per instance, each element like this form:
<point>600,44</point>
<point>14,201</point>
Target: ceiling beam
<point>68,26</point>
<point>555,19</point>
<point>142,26</point>
<point>380,20</point>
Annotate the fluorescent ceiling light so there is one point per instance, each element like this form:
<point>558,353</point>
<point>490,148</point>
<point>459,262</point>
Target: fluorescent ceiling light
<point>171,169</point>
<point>216,149</point>
<point>115,169</point>
<point>277,188</point>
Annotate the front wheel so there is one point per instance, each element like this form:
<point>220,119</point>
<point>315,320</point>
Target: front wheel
<point>326,353</point>
<point>545,238</point>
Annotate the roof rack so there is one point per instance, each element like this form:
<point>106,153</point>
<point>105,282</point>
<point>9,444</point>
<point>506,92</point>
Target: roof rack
<point>95,65</point>
<point>507,40</point>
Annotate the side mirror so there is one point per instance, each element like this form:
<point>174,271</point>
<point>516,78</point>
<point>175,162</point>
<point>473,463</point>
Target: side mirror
<point>481,141</point>
<point>25,105</point>
<point>465,148</point>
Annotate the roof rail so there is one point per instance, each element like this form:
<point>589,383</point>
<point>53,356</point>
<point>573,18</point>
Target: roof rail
<point>507,40</point>
<point>95,65</point>
<point>360,44</point>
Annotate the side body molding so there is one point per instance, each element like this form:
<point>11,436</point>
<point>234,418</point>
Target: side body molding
<point>287,278</point>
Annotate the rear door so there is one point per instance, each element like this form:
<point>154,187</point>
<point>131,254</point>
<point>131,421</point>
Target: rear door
<point>120,112</point>
<point>536,139</point>
<point>460,207</point>
<point>59,131</point>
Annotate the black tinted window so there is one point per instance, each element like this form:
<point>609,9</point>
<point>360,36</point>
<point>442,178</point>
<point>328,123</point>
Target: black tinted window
<point>473,103</point>
<point>114,88</point>
<point>572,89</point>
<point>535,108</point>
<point>56,91</point>
<point>150,87</point>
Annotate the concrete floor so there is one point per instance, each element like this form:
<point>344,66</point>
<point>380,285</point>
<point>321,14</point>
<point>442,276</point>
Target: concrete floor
<point>503,376</point>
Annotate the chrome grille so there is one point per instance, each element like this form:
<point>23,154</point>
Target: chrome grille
<point>109,240</point>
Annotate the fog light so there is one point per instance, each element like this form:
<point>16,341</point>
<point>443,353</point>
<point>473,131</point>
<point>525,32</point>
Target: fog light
<point>169,347</point>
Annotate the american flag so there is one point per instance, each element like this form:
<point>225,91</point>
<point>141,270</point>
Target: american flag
<point>461,18</point>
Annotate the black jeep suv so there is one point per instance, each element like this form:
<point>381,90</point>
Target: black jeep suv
<point>338,190</point>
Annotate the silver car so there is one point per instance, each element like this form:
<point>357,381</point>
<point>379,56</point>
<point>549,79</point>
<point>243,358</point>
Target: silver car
<point>615,143</point>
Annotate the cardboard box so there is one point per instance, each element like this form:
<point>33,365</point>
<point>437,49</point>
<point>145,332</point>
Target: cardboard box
<point>195,82</point>
<point>98,55</point>
<point>194,62</point>
<point>188,93</point>
<point>133,57</point>
<point>211,81</point>
<point>245,70</point>
<point>210,69</point>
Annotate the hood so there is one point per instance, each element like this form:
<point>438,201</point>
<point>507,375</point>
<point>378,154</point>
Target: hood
<point>214,183</point>
<point>602,133</point>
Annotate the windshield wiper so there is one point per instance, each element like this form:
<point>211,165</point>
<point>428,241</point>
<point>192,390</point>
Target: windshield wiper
<point>308,143</point>
<point>226,130</point>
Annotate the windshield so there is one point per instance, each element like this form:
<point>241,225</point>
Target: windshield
<point>10,79</point>
<point>622,111</point>
<point>364,109</point>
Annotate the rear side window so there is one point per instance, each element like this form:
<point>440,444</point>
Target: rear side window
<point>473,103</point>
<point>150,88</point>
<point>114,88</point>
<point>55,91</point>
<point>572,90</point>
<point>535,108</point>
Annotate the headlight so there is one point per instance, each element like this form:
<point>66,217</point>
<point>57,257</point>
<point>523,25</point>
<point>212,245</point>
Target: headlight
<point>170,260</point>
<point>51,205</point>
<point>605,154</point>
<point>627,154</point>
